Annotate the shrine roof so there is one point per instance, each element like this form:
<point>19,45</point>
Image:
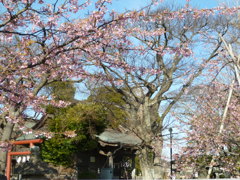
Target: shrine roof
<point>116,137</point>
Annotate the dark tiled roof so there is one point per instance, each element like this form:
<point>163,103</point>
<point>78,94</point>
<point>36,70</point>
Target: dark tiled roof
<point>116,137</point>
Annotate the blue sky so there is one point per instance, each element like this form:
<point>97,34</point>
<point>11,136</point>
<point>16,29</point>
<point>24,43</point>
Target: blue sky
<point>121,5</point>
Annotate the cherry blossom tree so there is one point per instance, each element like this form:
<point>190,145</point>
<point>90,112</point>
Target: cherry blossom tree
<point>45,42</point>
<point>145,53</point>
<point>214,119</point>
<point>214,129</point>
<point>234,64</point>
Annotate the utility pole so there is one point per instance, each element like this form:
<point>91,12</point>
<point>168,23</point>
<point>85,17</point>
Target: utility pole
<point>171,161</point>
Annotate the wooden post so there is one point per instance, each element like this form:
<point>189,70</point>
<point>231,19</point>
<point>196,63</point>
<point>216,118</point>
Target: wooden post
<point>9,162</point>
<point>110,160</point>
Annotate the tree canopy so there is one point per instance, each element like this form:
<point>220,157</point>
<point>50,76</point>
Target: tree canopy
<point>150,56</point>
<point>86,118</point>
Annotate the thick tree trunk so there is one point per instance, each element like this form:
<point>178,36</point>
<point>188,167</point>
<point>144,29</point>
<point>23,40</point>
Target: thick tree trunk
<point>146,123</point>
<point>146,163</point>
<point>7,132</point>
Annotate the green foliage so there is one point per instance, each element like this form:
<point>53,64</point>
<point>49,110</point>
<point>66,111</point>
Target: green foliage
<point>58,150</point>
<point>86,119</point>
<point>137,165</point>
<point>112,102</point>
<point>83,118</point>
<point>64,91</point>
